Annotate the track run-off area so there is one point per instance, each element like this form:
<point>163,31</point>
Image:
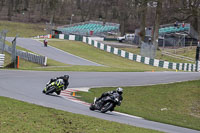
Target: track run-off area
<point>28,85</point>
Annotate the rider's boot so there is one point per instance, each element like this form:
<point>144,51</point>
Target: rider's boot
<point>58,92</point>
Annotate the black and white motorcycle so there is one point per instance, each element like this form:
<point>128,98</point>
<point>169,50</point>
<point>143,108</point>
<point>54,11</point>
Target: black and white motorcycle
<point>107,103</point>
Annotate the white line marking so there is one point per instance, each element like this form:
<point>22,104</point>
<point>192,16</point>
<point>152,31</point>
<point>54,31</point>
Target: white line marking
<point>72,54</point>
<point>74,99</point>
<point>136,117</point>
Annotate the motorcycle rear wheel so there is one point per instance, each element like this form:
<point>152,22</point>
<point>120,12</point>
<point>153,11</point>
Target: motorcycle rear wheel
<point>106,107</point>
<point>50,90</point>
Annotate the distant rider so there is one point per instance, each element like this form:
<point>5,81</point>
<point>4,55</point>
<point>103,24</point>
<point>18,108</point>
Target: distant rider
<point>63,79</point>
<point>45,42</point>
<point>119,90</point>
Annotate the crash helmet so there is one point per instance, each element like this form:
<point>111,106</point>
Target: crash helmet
<point>66,77</point>
<point>119,90</point>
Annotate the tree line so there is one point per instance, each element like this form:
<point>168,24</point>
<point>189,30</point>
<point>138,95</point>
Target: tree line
<point>130,14</point>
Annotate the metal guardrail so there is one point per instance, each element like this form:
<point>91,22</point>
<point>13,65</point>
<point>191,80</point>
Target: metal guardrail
<point>42,60</point>
<point>2,58</point>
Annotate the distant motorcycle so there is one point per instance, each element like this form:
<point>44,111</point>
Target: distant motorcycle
<point>55,86</point>
<point>105,104</point>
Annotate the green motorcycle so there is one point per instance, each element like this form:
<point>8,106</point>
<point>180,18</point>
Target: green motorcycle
<point>55,86</point>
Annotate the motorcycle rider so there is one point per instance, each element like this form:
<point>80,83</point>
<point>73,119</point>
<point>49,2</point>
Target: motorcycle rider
<point>119,90</point>
<point>64,79</point>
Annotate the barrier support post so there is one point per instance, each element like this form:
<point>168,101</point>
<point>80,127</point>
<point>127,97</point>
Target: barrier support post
<point>17,61</point>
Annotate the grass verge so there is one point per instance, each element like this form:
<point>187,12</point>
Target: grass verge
<point>177,103</point>
<point>27,65</point>
<point>188,52</point>
<point>22,29</point>
<point>111,61</point>
<point>17,116</point>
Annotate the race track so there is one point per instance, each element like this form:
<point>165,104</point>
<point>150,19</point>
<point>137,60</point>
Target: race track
<point>27,86</point>
<point>51,52</point>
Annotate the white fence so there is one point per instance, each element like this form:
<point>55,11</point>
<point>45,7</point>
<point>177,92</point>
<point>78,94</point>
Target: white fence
<point>2,57</point>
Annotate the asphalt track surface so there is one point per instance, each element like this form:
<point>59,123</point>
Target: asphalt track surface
<point>51,52</point>
<point>27,86</point>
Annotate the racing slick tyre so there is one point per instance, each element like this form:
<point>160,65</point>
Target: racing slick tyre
<point>50,90</point>
<point>106,107</point>
<point>92,107</point>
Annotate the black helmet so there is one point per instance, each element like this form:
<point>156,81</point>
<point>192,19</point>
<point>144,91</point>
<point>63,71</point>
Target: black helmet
<point>66,77</point>
<point>119,90</point>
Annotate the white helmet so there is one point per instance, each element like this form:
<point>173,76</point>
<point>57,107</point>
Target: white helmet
<point>119,90</point>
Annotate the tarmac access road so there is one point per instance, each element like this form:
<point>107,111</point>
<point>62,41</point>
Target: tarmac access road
<point>51,52</point>
<point>28,85</point>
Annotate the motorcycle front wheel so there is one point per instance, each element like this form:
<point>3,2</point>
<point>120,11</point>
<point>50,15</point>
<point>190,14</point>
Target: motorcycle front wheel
<point>92,107</point>
<point>50,90</point>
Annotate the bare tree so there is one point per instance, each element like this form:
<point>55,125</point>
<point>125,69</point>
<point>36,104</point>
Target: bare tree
<point>131,14</point>
<point>186,10</point>
<point>157,23</point>
<point>10,9</point>
<point>125,10</point>
<point>85,10</point>
<point>2,4</point>
<point>142,15</point>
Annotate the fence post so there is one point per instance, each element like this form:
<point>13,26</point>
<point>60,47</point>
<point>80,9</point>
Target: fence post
<point>13,60</point>
<point>4,38</point>
<point>197,57</point>
<point>197,66</point>
<point>17,61</point>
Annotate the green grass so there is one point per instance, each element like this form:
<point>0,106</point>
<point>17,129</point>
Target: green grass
<point>22,29</point>
<point>17,116</point>
<point>27,65</point>
<point>188,52</point>
<point>23,64</point>
<point>180,102</point>
<point>111,61</point>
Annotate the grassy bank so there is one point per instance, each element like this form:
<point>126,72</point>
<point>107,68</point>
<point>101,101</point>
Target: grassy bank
<point>177,103</point>
<point>22,29</point>
<point>17,116</point>
<point>111,61</point>
<point>188,52</point>
<point>27,65</point>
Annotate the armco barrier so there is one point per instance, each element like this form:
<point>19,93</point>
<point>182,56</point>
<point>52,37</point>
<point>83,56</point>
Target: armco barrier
<point>42,60</point>
<point>2,58</point>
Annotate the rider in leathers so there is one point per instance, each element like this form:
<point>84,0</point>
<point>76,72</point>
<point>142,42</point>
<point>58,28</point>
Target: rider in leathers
<point>65,79</point>
<point>110,93</point>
